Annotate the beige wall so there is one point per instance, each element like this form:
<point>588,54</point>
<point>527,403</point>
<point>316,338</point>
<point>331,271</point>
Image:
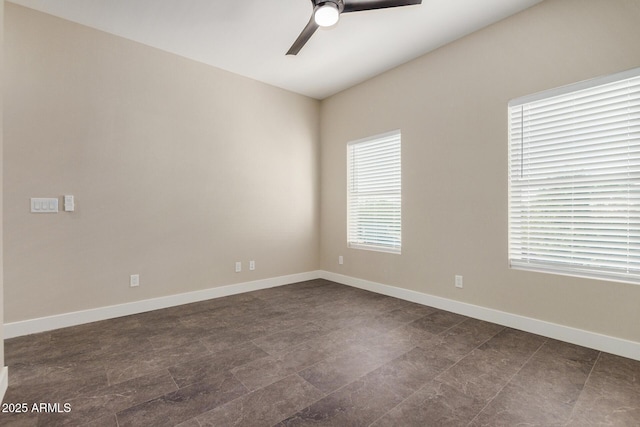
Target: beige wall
<point>451,106</point>
<point>178,170</point>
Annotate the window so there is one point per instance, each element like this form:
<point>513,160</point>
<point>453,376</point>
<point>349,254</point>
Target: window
<point>574,179</point>
<point>374,193</point>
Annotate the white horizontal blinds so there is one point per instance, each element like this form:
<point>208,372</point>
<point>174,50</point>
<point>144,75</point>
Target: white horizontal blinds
<point>574,194</point>
<point>374,193</point>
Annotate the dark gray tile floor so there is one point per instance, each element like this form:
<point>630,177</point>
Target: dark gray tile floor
<point>313,353</point>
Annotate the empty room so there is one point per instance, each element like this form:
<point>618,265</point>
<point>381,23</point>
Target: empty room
<point>320,212</point>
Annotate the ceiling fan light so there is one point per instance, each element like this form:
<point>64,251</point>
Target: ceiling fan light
<point>327,14</point>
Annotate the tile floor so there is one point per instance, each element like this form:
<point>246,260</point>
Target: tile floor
<point>313,353</point>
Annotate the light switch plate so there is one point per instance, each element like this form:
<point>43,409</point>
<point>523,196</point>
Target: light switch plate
<point>69,204</point>
<point>44,205</point>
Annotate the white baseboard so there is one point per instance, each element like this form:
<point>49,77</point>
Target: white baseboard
<point>42,324</point>
<point>608,344</point>
<point>618,346</point>
<point>4,382</point>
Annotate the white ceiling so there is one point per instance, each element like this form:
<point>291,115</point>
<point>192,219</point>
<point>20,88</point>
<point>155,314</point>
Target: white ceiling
<point>251,37</point>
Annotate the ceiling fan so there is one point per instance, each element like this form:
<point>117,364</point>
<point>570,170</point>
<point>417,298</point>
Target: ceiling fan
<point>327,12</point>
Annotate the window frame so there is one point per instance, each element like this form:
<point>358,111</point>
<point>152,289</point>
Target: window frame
<point>365,240</point>
<point>596,267</point>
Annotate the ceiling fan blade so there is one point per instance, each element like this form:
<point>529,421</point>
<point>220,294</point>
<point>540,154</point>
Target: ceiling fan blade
<point>304,37</point>
<point>360,5</point>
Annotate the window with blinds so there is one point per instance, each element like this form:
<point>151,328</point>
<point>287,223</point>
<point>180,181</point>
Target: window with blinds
<point>574,179</point>
<point>374,193</point>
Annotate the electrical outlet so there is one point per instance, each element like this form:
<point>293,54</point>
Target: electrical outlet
<point>340,260</point>
<point>134,280</point>
<point>238,266</point>
<point>458,281</point>
<point>252,265</point>
<point>69,204</point>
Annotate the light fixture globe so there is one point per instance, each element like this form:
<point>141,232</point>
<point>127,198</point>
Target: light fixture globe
<point>327,14</point>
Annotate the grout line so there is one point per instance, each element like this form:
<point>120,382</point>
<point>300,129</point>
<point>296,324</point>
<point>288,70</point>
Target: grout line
<point>446,330</point>
<point>172,379</point>
<point>357,379</point>
<point>467,355</point>
<point>399,403</point>
<point>411,394</point>
<point>321,392</point>
<point>508,381</point>
<point>435,379</point>
<point>573,409</point>
<point>249,391</point>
